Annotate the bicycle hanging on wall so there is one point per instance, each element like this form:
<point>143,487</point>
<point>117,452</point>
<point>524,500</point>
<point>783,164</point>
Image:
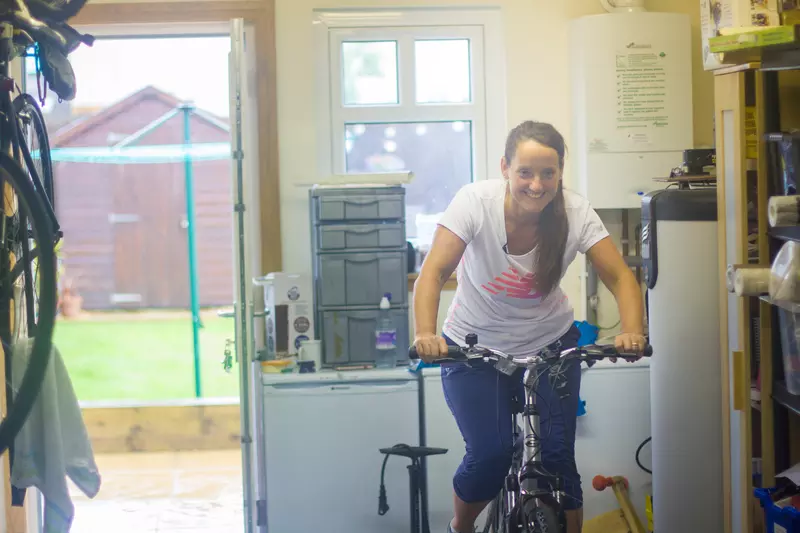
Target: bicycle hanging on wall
<point>29,229</point>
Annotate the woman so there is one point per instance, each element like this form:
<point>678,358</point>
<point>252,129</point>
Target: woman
<point>512,241</point>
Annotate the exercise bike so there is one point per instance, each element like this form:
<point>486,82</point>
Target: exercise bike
<point>532,499</point>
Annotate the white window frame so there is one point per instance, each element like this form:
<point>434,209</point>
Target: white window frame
<point>486,111</point>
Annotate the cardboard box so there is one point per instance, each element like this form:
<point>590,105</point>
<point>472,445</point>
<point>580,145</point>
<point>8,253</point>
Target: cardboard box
<point>288,301</point>
<point>718,17</point>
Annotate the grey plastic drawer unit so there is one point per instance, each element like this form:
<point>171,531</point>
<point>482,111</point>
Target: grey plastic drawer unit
<point>378,203</point>
<point>349,336</point>
<point>343,237</point>
<point>361,279</point>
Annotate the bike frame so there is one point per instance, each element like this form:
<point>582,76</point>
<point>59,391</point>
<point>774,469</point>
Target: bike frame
<point>526,471</point>
<point>521,483</point>
<point>12,134</point>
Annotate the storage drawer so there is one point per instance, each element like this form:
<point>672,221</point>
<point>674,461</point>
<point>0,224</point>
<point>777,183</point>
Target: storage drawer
<point>349,336</point>
<point>346,280</point>
<point>375,206</point>
<point>361,236</point>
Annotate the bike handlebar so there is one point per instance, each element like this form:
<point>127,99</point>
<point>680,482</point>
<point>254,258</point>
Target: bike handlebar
<point>457,354</point>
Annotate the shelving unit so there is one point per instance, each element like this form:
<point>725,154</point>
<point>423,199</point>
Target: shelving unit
<point>760,95</point>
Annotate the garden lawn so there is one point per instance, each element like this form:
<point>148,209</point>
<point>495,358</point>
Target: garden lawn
<point>140,358</point>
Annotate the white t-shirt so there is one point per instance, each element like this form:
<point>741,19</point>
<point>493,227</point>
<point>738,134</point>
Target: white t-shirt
<point>496,297</point>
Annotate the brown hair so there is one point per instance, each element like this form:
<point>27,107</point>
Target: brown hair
<point>553,224</point>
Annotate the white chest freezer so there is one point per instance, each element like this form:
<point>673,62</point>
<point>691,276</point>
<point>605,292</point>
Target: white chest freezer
<point>321,436</point>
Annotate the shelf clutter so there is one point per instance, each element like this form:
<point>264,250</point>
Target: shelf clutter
<point>757,93</point>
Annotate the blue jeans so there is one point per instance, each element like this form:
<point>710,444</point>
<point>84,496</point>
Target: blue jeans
<point>483,402</point>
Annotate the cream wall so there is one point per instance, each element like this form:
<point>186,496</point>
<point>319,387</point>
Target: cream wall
<point>537,81</point>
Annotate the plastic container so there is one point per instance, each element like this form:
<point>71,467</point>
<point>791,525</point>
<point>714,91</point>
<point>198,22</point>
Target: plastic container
<point>360,279</point>
<point>790,343</point>
<point>349,335</point>
<point>361,236</point>
<point>784,282</point>
<point>784,159</point>
<point>779,519</point>
<point>385,335</point>
<point>360,203</point>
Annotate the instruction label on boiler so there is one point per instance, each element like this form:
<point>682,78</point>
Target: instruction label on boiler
<point>641,91</point>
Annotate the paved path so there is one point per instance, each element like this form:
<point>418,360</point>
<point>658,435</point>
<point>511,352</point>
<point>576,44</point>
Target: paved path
<point>197,492</point>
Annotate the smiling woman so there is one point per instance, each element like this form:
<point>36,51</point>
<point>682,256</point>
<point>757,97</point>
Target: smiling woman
<point>511,241</point>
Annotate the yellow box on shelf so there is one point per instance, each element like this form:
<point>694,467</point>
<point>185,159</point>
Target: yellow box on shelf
<point>757,38</point>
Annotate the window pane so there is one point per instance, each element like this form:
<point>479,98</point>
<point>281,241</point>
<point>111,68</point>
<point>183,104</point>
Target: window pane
<point>439,154</point>
<point>442,71</point>
<point>369,72</point>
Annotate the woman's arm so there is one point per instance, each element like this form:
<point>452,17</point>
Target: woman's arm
<point>443,258</point>
<point>619,279</point>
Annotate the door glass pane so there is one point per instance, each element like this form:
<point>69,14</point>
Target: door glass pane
<point>120,191</point>
<point>439,154</point>
<point>442,71</point>
<point>369,73</point>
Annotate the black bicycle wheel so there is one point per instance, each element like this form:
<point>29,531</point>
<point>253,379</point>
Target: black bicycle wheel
<point>35,137</point>
<point>36,224</point>
<point>543,516</point>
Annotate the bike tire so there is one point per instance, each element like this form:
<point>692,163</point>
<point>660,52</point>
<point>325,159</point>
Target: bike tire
<point>26,104</point>
<point>543,516</point>
<point>40,351</point>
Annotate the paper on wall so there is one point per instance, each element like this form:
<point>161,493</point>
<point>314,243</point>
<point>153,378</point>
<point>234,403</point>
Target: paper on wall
<point>718,17</point>
<point>793,474</point>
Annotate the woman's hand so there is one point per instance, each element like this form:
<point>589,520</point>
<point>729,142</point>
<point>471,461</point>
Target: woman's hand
<point>430,347</point>
<point>633,343</point>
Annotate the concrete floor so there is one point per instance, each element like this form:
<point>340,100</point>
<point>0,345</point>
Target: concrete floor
<point>184,492</point>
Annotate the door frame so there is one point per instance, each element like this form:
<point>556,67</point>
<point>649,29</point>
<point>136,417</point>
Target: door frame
<point>261,15</point>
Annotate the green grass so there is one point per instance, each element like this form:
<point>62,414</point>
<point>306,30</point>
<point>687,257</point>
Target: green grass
<point>144,358</point>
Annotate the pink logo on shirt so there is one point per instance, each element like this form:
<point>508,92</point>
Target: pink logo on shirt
<point>513,285</point>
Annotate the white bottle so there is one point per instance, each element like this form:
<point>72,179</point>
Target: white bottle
<point>385,336</point>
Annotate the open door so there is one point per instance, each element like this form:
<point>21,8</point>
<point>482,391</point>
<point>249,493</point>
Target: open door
<point>249,302</point>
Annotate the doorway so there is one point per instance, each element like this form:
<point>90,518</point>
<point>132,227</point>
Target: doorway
<point>121,197</point>
<point>152,200</point>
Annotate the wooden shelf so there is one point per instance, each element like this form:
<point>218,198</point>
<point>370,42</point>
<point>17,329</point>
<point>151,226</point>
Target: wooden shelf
<point>781,58</point>
<point>780,395</point>
<point>752,100</point>
<point>788,233</point>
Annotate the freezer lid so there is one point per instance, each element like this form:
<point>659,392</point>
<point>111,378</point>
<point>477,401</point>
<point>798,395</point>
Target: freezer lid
<point>343,376</point>
<point>269,378</point>
<point>432,371</point>
<point>620,365</point>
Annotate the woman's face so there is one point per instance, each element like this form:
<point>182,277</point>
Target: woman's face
<point>533,175</point>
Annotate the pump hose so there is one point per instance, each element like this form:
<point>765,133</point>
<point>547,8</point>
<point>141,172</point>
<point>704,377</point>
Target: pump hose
<point>638,451</point>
